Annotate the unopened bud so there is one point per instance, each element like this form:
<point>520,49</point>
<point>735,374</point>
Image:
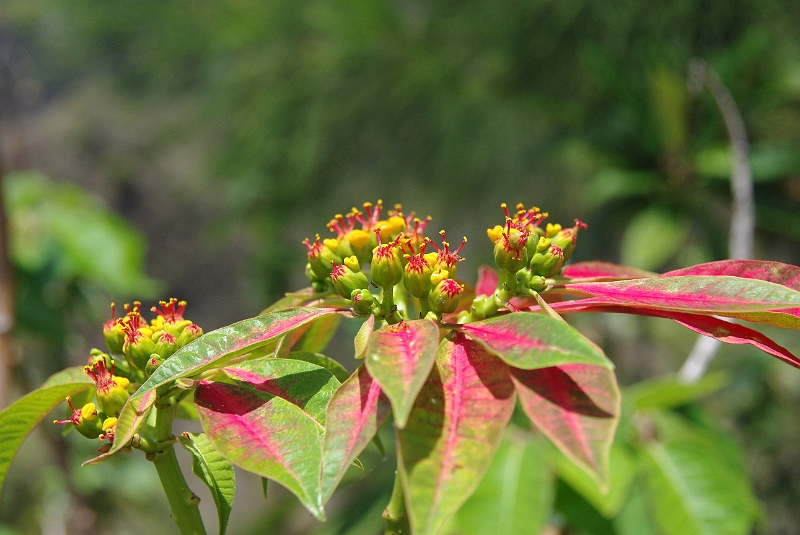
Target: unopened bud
<point>190,333</point>
<point>363,302</point>
<point>444,297</point>
<point>387,269</point>
<point>348,277</point>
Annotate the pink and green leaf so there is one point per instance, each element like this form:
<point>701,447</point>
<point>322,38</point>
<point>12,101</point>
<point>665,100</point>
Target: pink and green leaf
<point>19,419</point>
<point>355,413</point>
<point>306,385</point>
<point>400,357</point>
<point>598,270</point>
<point>577,407</point>
<point>453,431</point>
<point>530,341</point>
<point>711,326</point>
<point>775,272</point>
<point>266,435</point>
<point>211,350</point>
<point>696,294</point>
<point>318,335</point>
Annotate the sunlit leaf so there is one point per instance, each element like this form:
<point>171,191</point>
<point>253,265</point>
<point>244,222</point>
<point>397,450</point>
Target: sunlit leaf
<point>599,271</point>
<point>577,406</point>
<point>700,293</point>
<point>215,471</point>
<point>777,272</point>
<point>529,341</point>
<point>266,435</point>
<point>515,496</point>
<point>19,419</point>
<point>355,413</point>
<point>400,357</point>
<point>453,431</point>
<point>211,350</point>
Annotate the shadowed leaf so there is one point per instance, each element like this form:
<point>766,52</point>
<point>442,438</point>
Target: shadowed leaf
<point>577,407</point>
<point>599,271</point>
<point>355,413</point>
<point>453,431</point>
<point>487,281</point>
<point>215,471</point>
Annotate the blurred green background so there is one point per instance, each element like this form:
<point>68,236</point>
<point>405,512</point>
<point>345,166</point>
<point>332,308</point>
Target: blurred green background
<point>160,148</point>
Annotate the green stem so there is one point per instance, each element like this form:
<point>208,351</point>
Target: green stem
<point>182,501</point>
<point>395,513</point>
<point>391,316</point>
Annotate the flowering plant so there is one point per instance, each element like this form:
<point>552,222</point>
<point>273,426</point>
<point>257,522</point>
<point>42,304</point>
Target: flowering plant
<point>447,361</point>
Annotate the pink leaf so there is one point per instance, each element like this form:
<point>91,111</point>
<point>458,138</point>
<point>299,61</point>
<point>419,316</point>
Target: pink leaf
<point>355,413</point>
<point>577,407</point>
<point>400,357</point>
<point>777,272</point>
<point>453,431</point>
<point>598,271</point>
<point>487,281</point>
<point>730,333</point>
<point>698,294</point>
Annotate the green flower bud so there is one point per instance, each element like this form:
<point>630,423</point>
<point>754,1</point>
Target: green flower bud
<point>567,238</point>
<point>348,278</point>
<point>166,345</point>
<point>445,295</point>
<point>417,274</point>
<point>153,363</point>
<point>320,258</point>
<point>86,420</point>
<point>138,346</point>
<point>509,249</point>
<point>112,391</point>
<point>537,283</point>
<point>113,334</point>
<point>363,302</point>
<point>387,269</point>
<point>190,333</point>
<point>548,262</point>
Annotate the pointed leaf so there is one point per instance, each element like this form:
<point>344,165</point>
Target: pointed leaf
<point>577,407</point>
<point>529,341</point>
<point>515,496</point>
<point>487,281</point>
<point>266,435</point>
<point>355,413</point>
<point>210,350</point>
<point>776,272</point>
<point>362,337</point>
<point>215,471</point>
<point>453,431</point>
<point>319,334</point>
<point>308,386</point>
<point>704,294</point>
<point>19,419</point>
<point>399,358</point>
<point>598,270</point>
<point>692,490</point>
<point>713,327</point>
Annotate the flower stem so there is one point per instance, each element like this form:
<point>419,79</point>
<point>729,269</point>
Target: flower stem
<point>183,503</point>
<point>395,513</point>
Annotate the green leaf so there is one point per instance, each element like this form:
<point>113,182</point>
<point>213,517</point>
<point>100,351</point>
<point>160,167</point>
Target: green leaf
<point>577,406</point>
<point>692,489</point>
<point>19,419</point>
<point>319,334</point>
<point>215,471</point>
<point>355,413</point>
<point>622,473</point>
<point>668,392</point>
<point>210,350</point>
<point>264,434</point>
<point>453,432</point>
<point>529,341</point>
<point>399,358</point>
<point>362,337</point>
<point>323,361</point>
<point>515,496</point>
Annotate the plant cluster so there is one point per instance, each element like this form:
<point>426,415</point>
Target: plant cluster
<point>449,362</point>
